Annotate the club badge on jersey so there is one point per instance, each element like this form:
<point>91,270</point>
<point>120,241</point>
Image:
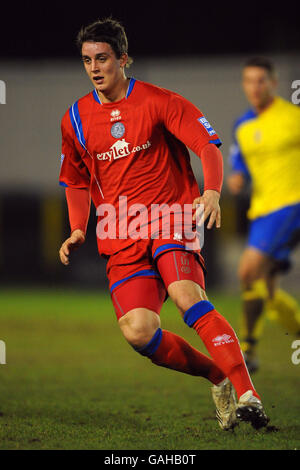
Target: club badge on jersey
<point>117,130</point>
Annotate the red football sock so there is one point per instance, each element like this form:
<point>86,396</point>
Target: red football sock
<point>223,346</point>
<point>175,353</point>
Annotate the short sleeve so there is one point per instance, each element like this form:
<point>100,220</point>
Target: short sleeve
<point>73,172</point>
<point>186,122</point>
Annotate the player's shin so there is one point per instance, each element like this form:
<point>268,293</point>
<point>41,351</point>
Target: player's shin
<point>253,298</point>
<point>169,350</point>
<point>222,344</point>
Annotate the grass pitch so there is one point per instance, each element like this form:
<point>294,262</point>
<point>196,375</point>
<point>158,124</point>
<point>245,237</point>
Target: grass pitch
<point>72,382</point>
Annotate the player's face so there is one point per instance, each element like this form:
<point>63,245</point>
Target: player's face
<point>102,65</point>
<point>258,86</point>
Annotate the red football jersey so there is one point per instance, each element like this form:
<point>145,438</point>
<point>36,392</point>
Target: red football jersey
<point>134,148</point>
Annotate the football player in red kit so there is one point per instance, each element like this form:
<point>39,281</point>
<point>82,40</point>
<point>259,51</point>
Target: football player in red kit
<point>124,145</point>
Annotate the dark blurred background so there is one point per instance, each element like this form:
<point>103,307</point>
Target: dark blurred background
<point>194,48</point>
<point>157,28</point>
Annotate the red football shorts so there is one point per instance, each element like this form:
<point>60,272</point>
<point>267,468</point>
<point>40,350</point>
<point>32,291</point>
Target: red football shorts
<point>139,275</point>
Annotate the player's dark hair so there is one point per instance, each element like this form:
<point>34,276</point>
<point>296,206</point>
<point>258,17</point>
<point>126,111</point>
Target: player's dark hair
<point>262,62</point>
<point>106,30</point>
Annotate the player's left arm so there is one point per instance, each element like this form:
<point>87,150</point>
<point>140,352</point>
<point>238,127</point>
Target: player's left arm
<point>212,165</point>
<point>189,125</point>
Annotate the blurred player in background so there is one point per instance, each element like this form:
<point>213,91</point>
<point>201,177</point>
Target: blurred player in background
<point>266,153</point>
<point>128,139</point>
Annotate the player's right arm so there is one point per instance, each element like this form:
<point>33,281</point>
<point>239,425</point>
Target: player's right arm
<point>76,239</point>
<point>239,174</point>
<point>74,176</point>
<point>79,202</point>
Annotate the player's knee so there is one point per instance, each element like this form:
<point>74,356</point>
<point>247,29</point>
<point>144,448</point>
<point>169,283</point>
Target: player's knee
<point>252,269</point>
<point>186,298</point>
<point>138,336</point>
<point>247,276</point>
<point>137,331</point>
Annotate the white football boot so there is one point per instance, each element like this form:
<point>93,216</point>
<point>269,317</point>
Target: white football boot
<point>224,398</point>
<point>250,409</point>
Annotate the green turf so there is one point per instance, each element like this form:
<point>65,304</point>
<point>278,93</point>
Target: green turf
<point>72,382</point>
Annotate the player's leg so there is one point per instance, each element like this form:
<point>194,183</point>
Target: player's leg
<point>138,294</point>
<point>261,295</point>
<point>253,271</point>
<point>164,348</point>
<point>271,239</point>
<point>215,332</point>
<point>282,307</point>
<point>141,328</point>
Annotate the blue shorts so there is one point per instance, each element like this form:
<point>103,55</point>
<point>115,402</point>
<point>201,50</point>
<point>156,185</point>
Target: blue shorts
<point>277,233</point>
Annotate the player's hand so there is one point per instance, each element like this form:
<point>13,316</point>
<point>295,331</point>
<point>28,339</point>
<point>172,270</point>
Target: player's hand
<point>235,183</point>
<point>76,239</point>
<point>210,200</point>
